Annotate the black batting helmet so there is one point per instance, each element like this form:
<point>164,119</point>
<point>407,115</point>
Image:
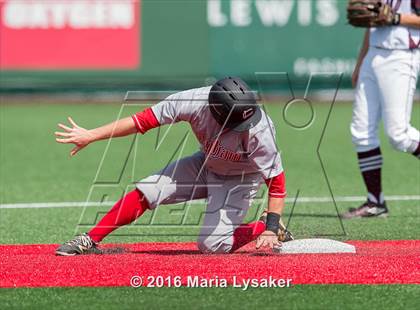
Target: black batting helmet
<point>233,104</point>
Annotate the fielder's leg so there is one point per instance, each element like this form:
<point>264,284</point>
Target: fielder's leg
<point>364,131</point>
<point>397,77</point>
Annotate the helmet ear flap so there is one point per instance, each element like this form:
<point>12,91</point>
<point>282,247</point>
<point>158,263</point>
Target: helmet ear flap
<point>217,107</point>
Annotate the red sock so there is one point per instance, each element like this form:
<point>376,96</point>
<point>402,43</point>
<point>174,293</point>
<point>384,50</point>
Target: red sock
<point>246,233</point>
<point>125,211</point>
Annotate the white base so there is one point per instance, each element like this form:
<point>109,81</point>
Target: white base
<point>315,246</point>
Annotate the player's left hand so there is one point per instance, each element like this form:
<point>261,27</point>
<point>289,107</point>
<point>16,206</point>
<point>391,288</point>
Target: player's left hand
<point>77,135</point>
<point>268,239</point>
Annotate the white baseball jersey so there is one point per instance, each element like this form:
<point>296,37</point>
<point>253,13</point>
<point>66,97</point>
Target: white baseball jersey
<point>396,37</point>
<point>228,152</point>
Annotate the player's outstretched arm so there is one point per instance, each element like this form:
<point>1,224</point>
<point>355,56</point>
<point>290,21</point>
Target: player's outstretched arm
<point>82,137</point>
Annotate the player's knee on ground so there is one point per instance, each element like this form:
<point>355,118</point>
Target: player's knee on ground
<point>214,244</point>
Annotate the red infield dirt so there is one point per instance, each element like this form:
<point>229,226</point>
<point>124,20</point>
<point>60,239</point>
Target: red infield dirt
<point>376,262</point>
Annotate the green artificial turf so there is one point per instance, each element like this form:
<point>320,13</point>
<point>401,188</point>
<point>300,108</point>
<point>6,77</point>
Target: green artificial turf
<point>297,297</point>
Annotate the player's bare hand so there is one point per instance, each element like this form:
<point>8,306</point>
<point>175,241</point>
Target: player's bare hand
<point>268,239</point>
<point>76,135</point>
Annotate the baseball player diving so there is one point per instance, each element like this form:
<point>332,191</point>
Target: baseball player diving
<point>385,79</point>
<point>238,153</point>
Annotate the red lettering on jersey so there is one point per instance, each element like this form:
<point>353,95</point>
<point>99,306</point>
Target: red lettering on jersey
<point>216,150</point>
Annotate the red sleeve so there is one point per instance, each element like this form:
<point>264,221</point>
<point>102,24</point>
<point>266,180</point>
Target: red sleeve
<point>145,120</point>
<point>277,186</point>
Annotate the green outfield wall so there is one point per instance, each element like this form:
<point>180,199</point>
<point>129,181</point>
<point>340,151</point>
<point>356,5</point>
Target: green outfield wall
<point>58,44</point>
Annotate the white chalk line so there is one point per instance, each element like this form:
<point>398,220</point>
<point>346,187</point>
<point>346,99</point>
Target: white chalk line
<point>81,204</point>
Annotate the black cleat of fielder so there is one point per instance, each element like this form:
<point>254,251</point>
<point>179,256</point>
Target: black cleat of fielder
<point>284,234</point>
<point>368,209</point>
<point>81,244</point>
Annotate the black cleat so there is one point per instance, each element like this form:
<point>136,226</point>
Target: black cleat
<point>284,234</point>
<point>368,209</point>
<point>81,244</point>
